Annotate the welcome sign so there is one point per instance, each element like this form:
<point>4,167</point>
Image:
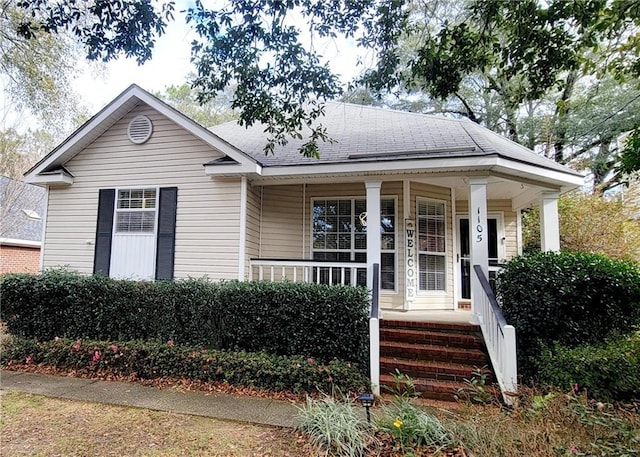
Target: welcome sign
<point>410,260</point>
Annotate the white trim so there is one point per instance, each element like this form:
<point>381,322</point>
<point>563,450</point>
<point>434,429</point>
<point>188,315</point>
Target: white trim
<point>57,178</point>
<point>45,218</point>
<point>511,168</point>
<point>519,240</point>
<point>374,244</point>
<point>304,218</point>
<point>427,293</point>
<point>242,245</point>
<point>455,260</point>
<point>20,243</point>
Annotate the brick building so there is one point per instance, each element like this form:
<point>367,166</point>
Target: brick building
<point>22,207</point>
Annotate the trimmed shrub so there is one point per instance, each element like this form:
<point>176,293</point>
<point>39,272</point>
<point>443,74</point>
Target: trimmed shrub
<point>148,360</point>
<point>609,371</point>
<point>571,298</point>
<point>310,320</point>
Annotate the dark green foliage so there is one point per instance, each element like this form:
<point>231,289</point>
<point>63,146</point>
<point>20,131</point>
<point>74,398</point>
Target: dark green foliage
<point>280,318</point>
<point>608,371</point>
<point>148,360</point>
<point>572,298</point>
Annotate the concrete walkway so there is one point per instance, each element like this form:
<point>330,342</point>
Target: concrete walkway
<point>215,405</point>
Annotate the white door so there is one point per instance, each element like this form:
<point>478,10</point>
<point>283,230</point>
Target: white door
<point>133,247</point>
<point>496,252</point>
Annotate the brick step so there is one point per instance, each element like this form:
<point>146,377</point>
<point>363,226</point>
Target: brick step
<point>436,390</point>
<point>433,326</point>
<point>423,336</point>
<point>429,352</point>
<point>439,371</point>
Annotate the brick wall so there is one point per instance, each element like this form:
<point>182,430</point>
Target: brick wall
<point>14,259</point>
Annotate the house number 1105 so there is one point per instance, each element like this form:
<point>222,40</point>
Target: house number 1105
<point>479,228</point>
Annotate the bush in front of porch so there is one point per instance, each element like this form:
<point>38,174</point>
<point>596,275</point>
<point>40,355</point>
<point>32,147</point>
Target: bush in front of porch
<point>310,320</point>
<point>567,300</point>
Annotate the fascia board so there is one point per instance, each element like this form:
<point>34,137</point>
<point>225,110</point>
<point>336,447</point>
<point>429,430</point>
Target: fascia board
<point>558,178</point>
<point>229,169</point>
<point>485,163</point>
<point>48,179</point>
<point>20,243</point>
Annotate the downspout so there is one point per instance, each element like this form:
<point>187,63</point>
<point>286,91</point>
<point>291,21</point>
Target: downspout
<point>304,218</point>
<point>44,228</point>
<point>242,249</point>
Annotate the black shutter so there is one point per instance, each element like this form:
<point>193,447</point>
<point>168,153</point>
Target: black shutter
<point>165,251</point>
<point>102,255</point>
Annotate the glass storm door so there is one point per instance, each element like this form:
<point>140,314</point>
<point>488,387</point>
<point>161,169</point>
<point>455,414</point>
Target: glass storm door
<point>495,238</point>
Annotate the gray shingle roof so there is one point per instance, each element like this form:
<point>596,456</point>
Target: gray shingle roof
<point>367,133</point>
<point>17,199</point>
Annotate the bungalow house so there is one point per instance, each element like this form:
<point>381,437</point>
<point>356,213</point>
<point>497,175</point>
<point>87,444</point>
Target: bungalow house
<point>142,191</point>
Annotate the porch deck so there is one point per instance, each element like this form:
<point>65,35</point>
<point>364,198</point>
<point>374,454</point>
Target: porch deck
<point>441,316</point>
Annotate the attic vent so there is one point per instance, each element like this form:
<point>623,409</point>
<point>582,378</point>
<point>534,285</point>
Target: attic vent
<point>140,129</point>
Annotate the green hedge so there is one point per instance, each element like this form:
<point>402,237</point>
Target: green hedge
<point>156,360</point>
<point>609,371</point>
<point>279,318</point>
<point>571,298</point>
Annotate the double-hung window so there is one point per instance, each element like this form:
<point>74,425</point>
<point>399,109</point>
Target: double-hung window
<point>431,245</point>
<point>136,211</point>
<point>339,236</point>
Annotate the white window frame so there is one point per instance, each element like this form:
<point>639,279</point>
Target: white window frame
<point>353,250</point>
<point>443,254</point>
<point>117,210</point>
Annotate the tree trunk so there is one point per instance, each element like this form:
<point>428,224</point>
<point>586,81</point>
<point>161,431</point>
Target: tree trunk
<point>562,110</point>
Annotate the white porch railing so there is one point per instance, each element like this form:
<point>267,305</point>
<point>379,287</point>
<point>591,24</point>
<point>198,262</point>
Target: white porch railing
<point>320,272</point>
<point>499,337</point>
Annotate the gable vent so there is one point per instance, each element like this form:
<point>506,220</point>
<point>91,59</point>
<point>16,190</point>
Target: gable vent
<point>140,129</point>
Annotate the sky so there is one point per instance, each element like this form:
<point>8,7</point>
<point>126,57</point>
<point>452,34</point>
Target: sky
<point>170,65</point>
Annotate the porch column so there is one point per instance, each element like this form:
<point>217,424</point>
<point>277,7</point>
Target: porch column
<point>549,222</point>
<point>373,228</point>
<point>373,257</point>
<point>478,243</point>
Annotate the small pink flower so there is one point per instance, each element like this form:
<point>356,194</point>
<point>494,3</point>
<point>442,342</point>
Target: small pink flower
<point>114,348</point>
<point>56,339</point>
<point>203,351</point>
<point>76,346</point>
<point>311,360</point>
<point>28,360</point>
<point>576,387</point>
<point>600,406</point>
<point>170,343</point>
<point>330,379</point>
<point>573,449</point>
<point>96,356</point>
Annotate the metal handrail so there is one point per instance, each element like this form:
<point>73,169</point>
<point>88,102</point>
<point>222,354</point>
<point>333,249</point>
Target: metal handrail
<point>484,282</point>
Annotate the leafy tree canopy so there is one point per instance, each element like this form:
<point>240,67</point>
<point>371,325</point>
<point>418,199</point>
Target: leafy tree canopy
<point>265,47</point>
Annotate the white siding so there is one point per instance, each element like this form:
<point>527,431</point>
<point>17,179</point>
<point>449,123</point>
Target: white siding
<point>207,220</point>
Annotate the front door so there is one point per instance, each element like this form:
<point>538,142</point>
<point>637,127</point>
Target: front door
<point>496,252</point>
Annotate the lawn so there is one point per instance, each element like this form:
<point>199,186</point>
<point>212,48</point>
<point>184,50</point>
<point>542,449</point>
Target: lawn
<point>32,425</point>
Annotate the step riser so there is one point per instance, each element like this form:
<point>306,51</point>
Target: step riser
<point>440,354</point>
<point>433,326</point>
<point>434,338</point>
<point>431,373</point>
<point>424,350</point>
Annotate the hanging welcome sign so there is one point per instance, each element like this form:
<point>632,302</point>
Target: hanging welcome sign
<point>410,260</point>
